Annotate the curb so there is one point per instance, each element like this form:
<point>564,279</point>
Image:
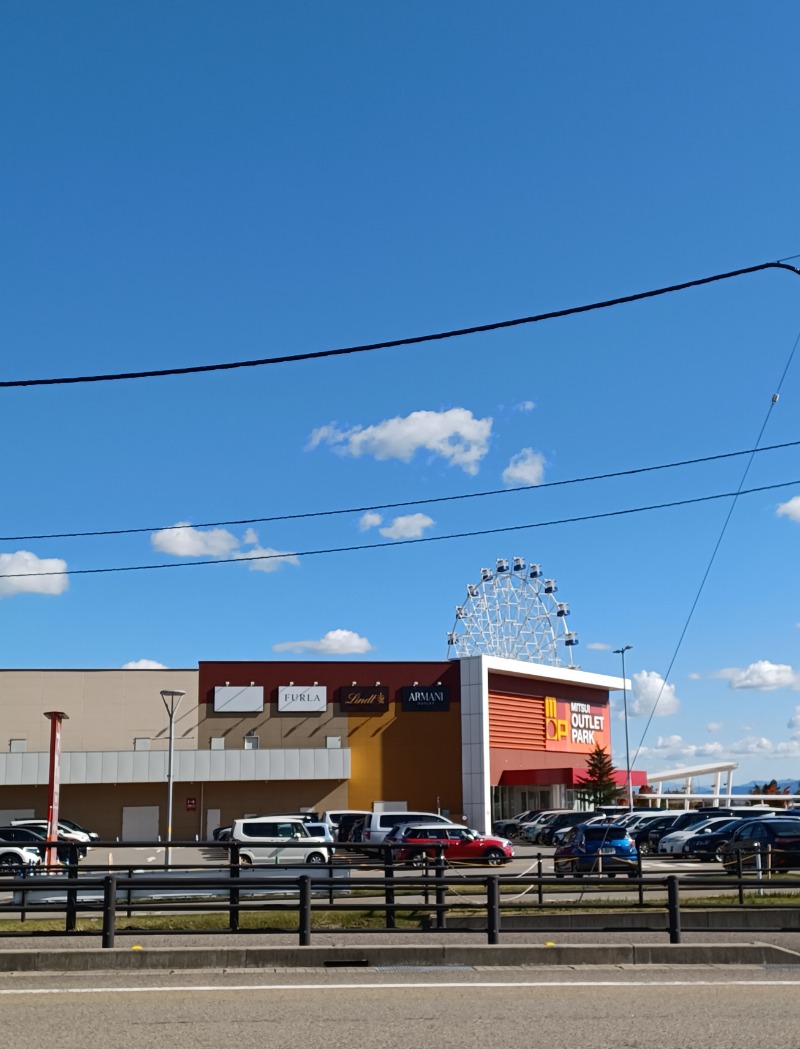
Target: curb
<point>416,956</point>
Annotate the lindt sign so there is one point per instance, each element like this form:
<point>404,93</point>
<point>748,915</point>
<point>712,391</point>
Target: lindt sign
<point>303,699</point>
<point>364,699</point>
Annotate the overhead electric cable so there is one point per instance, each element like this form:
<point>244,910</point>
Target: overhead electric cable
<point>282,556</point>
<point>740,491</point>
<point>409,341</point>
<point>405,503</point>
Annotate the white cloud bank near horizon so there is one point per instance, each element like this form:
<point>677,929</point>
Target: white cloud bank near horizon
<point>20,567</point>
<point>334,643</point>
<point>183,540</point>
<point>454,435</point>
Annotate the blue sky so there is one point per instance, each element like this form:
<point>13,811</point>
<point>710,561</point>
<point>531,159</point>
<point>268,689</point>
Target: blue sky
<point>191,183</point>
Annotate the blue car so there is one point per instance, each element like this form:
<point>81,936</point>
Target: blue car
<point>597,848</point>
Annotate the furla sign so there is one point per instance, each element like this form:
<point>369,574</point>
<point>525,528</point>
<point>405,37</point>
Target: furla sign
<point>304,699</point>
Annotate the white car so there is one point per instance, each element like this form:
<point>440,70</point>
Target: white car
<point>672,844</point>
<point>14,857</point>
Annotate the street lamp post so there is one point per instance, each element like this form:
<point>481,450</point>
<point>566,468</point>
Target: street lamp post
<point>621,652</point>
<point>171,699</point>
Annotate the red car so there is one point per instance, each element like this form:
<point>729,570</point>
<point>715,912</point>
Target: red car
<point>459,844</point>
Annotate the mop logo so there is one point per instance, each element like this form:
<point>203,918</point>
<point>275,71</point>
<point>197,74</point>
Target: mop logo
<point>574,726</point>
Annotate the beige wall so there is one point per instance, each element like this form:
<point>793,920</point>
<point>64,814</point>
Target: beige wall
<point>107,709</point>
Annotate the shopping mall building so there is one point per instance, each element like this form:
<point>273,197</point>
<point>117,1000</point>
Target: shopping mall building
<point>477,736</point>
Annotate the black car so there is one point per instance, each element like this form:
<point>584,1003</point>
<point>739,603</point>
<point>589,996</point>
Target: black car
<point>772,844</point>
<point>564,819</point>
<point>681,821</point>
<point>29,836</point>
<point>663,825</point>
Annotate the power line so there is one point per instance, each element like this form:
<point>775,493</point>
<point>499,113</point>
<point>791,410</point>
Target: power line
<point>409,341</point>
<point>243,559</point>
<point>406,503</point>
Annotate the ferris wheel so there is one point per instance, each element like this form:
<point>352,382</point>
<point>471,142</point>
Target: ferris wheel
<point>513,612</point>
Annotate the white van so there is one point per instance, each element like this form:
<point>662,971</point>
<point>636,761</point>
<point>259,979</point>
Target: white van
<point>278,839</point>
<point>333,817</point>
<point>378,824</point>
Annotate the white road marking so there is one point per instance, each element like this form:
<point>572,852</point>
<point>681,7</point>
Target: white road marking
<point>306,987</point>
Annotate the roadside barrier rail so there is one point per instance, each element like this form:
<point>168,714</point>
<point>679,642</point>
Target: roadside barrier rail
<point>440,897</point>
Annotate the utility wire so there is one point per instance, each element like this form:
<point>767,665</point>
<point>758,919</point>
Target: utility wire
<point>410,341</point>
<point>283,556</point>
<point>740,491</point>
<point>406,503</point>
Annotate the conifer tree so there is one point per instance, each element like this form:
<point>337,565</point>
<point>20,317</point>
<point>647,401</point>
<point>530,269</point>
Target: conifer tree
<point>598,786</point>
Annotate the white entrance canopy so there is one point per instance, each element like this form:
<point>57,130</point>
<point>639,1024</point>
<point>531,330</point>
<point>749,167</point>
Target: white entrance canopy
<point>688,775</point>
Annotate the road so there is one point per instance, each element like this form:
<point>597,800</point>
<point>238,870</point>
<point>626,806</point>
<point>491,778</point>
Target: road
<point>459,1008</point>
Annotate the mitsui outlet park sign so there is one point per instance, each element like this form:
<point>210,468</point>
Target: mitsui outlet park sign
<point>575,727</point>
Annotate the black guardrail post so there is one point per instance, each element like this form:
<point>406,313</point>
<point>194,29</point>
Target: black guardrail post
<point>639,876</point>
<point>493,908</point>
<point>388,886</point>
<point>72,894</point>
<point>109,909</point>
<point>128,894</point>
<point>304,915</point>
<point>441,888</point>
<point>740,875</point>
<point>330,879</point>
<point>539,876</point>
<point>233,890</point>
<point>674,908</point>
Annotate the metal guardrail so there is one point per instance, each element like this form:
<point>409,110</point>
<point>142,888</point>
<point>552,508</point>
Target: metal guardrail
<point>303,890</point>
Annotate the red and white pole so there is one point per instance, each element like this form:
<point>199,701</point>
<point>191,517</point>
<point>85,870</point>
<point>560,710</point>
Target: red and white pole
<point>54,782</point>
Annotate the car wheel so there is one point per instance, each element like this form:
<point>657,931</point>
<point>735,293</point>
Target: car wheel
<point>632,874</point>
<point>559,874</point>
<point>718,852</point>
<point>417,860</point>
<point>10,861</point>
<point>316,858</point>
<point>245,861</point>
<point>612,875</point>
<point>644,849</point>
<point>494,857</point>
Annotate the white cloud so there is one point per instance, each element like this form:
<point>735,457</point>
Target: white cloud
<point>694,676</point>
<point>525,406</point>
<point>526,467</point>
<point>334,643</point>
<point>790,509</point>
<point>185,541</point>
<point>751,745</point>
<point>144,664</point>
<point>714,726</point>
<point>411,526</point>
<point>455,435</point>
<point>675,748</point>
<point>652,695</point>
<point>20,568</point>
<point>794,720</point>
<point>599,646</point>
<point>762,676</point>
<point>369,520</point>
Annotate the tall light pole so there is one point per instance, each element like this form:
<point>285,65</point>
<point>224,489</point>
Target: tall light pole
<point>629,785</point>
<point>171,699</point>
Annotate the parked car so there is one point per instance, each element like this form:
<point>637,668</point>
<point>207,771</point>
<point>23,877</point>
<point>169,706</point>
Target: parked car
<point>641,836</point>
<point>64,833</point>
<point>278,839</point>
<point>72,825</point>
<point>673,843</point>
<point>319,830</point>
<point>510,828</point>
<point>530,831</point>
<point>773,842</point>
<point>378,824</point>
<point>28,837</point>
<point>341,820</point>
<point>562,819</point>
<point>459,844</point>
<point>602,848</point>
<point>559,836</point>
<point>221,833</point>
<point>15,857</point>
<point>707,843</point>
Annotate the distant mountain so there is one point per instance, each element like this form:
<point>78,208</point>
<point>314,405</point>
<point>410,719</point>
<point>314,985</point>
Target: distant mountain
<point>748,788</point>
